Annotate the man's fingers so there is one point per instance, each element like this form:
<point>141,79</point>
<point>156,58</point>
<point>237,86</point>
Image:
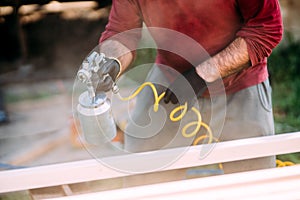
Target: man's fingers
<point>111,67</point>
<point>167,96</point>
<point>106,68</point>
<point>174,99</point>
<point>170,96</point>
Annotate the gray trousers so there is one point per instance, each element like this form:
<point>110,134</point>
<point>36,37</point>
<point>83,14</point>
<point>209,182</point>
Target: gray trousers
<point>245,114</point>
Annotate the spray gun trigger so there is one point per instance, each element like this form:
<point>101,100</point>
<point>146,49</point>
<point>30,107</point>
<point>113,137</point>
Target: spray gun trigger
<point>115,88</point>
<point>105,76</point>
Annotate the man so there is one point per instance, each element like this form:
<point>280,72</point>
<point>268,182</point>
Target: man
<point>238,35</point>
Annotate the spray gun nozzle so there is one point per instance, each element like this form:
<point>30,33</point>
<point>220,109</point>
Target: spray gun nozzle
<point>91,66</point>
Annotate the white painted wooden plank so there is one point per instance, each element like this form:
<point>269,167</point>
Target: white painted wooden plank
<point>89,170</point>
<point>221,152</point>
<point>277,183</point>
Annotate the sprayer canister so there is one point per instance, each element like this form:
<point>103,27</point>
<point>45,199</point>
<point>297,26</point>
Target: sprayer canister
<point>95,118</point>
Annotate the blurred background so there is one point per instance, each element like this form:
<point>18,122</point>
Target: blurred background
<point>42,44</point>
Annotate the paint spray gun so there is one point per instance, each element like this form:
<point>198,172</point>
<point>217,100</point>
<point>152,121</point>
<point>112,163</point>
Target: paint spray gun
<point>94,108</point>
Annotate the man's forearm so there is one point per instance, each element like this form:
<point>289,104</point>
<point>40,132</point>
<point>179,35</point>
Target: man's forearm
<point>232,59</point>
<point>113,48</point>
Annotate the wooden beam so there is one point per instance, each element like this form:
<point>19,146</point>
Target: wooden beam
<point>89,170</point>
<point>276,183</point>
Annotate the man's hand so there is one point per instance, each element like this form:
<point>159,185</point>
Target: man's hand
<point>179,90</point>
<point>111,67</point>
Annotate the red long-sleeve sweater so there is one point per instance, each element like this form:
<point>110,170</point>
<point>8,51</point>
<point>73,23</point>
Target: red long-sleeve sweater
<point>212,24</point>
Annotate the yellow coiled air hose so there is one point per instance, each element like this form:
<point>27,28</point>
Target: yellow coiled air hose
<point>183,110</point>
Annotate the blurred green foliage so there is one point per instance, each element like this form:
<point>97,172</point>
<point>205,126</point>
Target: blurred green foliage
<point>284,67</point>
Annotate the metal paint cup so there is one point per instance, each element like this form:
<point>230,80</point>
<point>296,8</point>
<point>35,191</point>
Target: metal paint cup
<point>96,119</point>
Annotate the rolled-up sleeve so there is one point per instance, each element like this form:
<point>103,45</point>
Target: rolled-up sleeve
<point>124,23</point>
<point>262,29</point>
